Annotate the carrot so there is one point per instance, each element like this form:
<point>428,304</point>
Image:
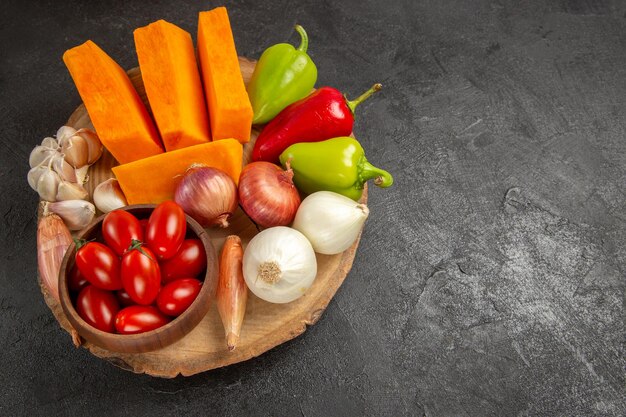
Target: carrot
<point>232,292</point>
<point>116,111</point>
<point>230,111</point>
<point>154,179</point>
<point>170,75</point>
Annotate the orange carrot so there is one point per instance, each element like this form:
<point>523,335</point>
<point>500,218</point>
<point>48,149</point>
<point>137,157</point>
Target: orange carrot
<point>170,75</point>
<point>154,179</point>
<point>116,111</point>
<point>230,111</point>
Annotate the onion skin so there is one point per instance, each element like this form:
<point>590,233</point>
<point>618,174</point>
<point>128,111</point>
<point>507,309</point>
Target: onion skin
<point>267,194</point>
<point>207,194</point>
<point>53,239</point>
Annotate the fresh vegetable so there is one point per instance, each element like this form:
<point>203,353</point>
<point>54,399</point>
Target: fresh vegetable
<point>208,195</point>
<point>267,194</point>
<point>337,165</point>
<point>59,166</point>
<point>123,298</point>
<point>169,70</point>
<point>115,109</point>
<point>70,191</point>
<point>154,180</point>
<point>119,229</point>
<point>189,261</point>
<point>139,319</point>
<point>230,111</point>
<point>75,280</point>
<point>141,276</point>
<point>176,296</point>
<point>279,264</point>
<point>166,230</point>
<point>324,114</point>
<point>98,264</point>
<point>282,76</point>
<point>80,148</point>
<point>232,293</point>
<point>331,221</point>
<point>76,214</point>
<point>108,196</point>
<point>97,307</point>
<point>53,239</point>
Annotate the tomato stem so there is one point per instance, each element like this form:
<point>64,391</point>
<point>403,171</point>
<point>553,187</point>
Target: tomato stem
<point>137,245</point>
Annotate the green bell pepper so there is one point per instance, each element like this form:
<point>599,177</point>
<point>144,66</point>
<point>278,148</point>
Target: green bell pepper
<point>337,165</point>
<point>283,75</point>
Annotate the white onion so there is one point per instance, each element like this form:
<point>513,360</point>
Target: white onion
<point>279,265</point>
<point>331,221</point>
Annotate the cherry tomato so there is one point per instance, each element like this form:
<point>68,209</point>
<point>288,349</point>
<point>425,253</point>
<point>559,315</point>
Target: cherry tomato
<point>119,229</point>
<point>166,229</point>
<point>144,225</point>
<point>98,308</point>
<point>141,276</point>
<point>75,280</point>
<point>139,319</point>
<point>178,295</point>
<point>189,261</point>
<point>99,265</point>
<point>123,298</point>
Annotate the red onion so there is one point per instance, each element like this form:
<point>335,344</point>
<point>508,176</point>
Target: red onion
<point>267,194</point>
<point>208,195</point>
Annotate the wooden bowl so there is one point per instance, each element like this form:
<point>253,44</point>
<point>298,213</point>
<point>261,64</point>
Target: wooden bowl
<point>155,339</point>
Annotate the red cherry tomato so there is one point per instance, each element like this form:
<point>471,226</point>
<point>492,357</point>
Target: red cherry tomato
<point>119,229</point>
<point>144,225</point>
<point>99,265</point>
<point>139,319</point>
<point>98,308</point>
<point>178,295</point>
<point>166,229</point>
<point>189,261</point>
<point>141,276</point>
<point>75,280</point>
<point>123,298</point>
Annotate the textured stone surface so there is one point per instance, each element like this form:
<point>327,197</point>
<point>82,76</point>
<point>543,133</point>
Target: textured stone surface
<point>490,278</point>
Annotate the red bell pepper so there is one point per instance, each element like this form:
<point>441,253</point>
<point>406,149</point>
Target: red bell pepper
<point>324,114</point>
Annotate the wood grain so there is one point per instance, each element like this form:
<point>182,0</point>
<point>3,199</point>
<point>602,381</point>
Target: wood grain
<point>265,325</point>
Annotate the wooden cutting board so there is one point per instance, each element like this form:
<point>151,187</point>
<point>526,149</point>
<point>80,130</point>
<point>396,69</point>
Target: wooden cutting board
<point>265,325</point>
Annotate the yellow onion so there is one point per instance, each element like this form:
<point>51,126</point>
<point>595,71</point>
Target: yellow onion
<point>207,194</point>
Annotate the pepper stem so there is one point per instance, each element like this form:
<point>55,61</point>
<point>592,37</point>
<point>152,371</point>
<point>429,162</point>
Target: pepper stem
<point>382,178</point>
<point>304,43</point>
<point>360,99</point>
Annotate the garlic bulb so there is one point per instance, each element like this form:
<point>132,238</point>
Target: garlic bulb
<point>41,155</point>
<point>331,221</point>
<point>76,214</point>
<point>82,147</point>
<point>47,182</point>
<point>71,191</point>
<point>279,265</point>
<point>108,196</point>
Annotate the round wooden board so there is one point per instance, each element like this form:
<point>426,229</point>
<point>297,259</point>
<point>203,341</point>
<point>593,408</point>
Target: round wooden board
<point>265,325</point>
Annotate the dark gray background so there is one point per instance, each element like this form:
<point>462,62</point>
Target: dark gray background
<point>490,278</point>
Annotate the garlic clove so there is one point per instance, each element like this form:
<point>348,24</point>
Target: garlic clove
<point>71,191</point>
<point>47,185</point>
<point>93,143</point>
<point>76,151</point>
<point>34,174</point>
<point>50,143</point>
<point>65,170</point>
<point>41,155</point>
<point>76,214</point>
<point>65,132</point>
<point>108,196</point>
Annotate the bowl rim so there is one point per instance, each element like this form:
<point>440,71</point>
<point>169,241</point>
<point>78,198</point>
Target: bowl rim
<point>68,305</point>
